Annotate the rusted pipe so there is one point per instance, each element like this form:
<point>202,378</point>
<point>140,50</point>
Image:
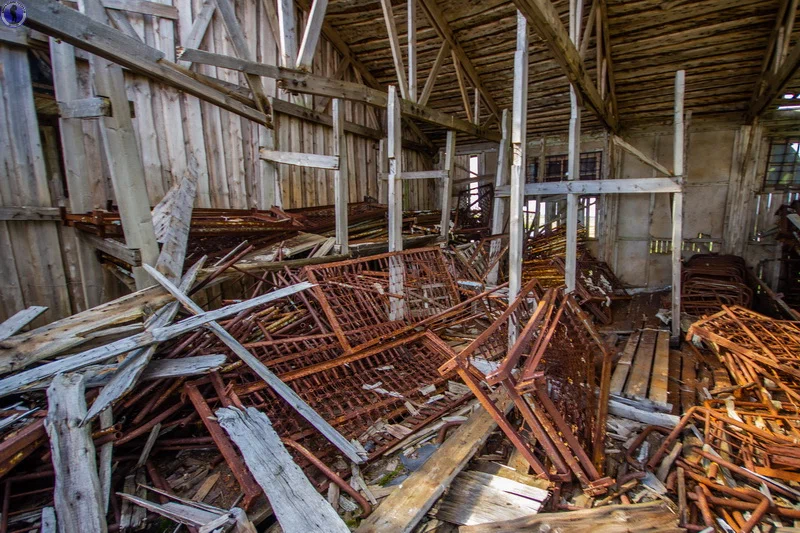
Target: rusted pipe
<point>702,504</point>
<point>330,474</point>
<point>443,430</point>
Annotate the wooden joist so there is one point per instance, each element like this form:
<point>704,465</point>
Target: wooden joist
<point>299,159</point>
<point>311,35</point>
<point>94,107</point>
<point>114,248</point>
<point>57,20</point>
<point>298,506</point>
<point>613,186</point>
<point>638,154</point>
<point>293,110</point>
<point>544,17</point>
<point>301,82</point>
<point>24,212</point>
<point>143,7</point>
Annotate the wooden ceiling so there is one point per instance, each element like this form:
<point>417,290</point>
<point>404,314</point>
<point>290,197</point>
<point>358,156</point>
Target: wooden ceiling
<point>720,44</point>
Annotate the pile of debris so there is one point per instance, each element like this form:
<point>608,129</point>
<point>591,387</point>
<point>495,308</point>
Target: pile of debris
<point>709,281</point>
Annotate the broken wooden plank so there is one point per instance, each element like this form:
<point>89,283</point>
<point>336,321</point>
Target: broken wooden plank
<point>23,380</point>
<point>25,212</point>
<point>176,222</point>
<point>48,520</point>
<point>78,501</point>
<point>280,388</point>
<point>660,378</point>
<point>624,364</point>
<point>405,507</point>
<point>295,501</point>
<point>20,320</point>
<point>639,377</point>
<point>630,412</point>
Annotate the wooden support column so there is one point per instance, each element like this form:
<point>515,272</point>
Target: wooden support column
<point>122,155</point>
<point>518,138</point>
<point>383,170</point>
<point>311,36</point>
<point>501,179</point>
<point>288,33</point>
<point>340,176</point>
<point>394,44</point>
<point>447,183</point>
<point>65,80</point>
<point>412,50</point>
<point>394,152</point>
<point>574,157</point>
<point>679,169</point>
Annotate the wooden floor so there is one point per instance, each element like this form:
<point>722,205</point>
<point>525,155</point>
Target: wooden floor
<point>642,373</point>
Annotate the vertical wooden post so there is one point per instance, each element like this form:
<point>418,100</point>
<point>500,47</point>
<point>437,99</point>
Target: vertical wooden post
<point>574,158</point>
<point>447,183</point>
<point>412,50</point>
<point>518,140</point>
<point>383,171</point>
<point>679,169</point>
<point>122,154</point>
<point>394,151</point>
<point>288,33</point>
<point>476,112</point>
<point>500,179</point>
<point>340,176</point>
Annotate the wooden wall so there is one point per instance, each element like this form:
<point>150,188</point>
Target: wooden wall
<point>177,134</point>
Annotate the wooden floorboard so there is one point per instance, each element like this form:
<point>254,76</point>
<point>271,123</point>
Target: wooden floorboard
<point>639,378</point>
<point>624,364</point>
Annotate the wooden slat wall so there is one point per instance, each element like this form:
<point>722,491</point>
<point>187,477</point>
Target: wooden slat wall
<point>177,134</point>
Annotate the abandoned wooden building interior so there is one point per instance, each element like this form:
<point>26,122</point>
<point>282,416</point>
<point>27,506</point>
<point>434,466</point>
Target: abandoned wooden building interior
<point>399,266</point>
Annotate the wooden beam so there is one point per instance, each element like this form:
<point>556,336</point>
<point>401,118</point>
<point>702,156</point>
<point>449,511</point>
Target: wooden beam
<point>448,166</point>
<point>318,117</point>
<point>573,157</point>
<point>308,46</point>
<point>412,50</point>
<point>545,19</point>
<point>297,504</point>
<point>774,84</point>
<point>500,180</point>
<point>439,23</point>
<point>341,176</point>
<point>394,152</point>
<point>93,107</point>
<point>287,38</point>
<point>595,187</point>
<point>19,320</point>
<point>115,249</point>
<point>280,388</point>
<point>677,203</point>
<point>57,20</point>
<point>434,73</point>
<point>402,510</point>
<point>143,7</point>
<point>519,126</point>
<point>77,496</point>
<point>462,88</point>
<point>638,154</point>
<point>302,82</point>
<point>394,44</point>
<point>199,28</point>
<point>299,159</point>
<point>426,174</point>
<point>606,69</point>
<point>26,212</point>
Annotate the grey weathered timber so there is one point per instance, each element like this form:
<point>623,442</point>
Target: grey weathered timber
<point>300,159</point>
<point>134,364</point>
<point>20,320</point>
<point>57,20</point>
<point>544,17</point>
<point>287,33</point>
<point>78,502</point>
<point>114,248</point>
<point>280,388</point>
<point>412,49</point>
<point>24,212</point>
<point>199,28</point>
<point>176,230</point>
<point>573,157</point>
<point>93,107</point>
<point>341,176</point>
<point>301,82</point>
<point>22,380</point>
<point>294,500</point>
<point>48,520</point>
<point>444,51</point>
<point>394,44</point>
<point>311,34</point>
<point>394,152</point>
<point>613,186</point>
<point>638,154</point>
<point>500,179</point>
<point>318,117</point>
<point>677,202</point>
<point>143,7</point>
<point>447,183</point>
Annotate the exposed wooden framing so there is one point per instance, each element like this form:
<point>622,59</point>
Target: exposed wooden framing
<point>500,180</point>
<point>341,177</point>
<point>439,23</point>
<point>519,121</point>
<point>344,65</point>
<point>587,32</point>
<point>175,229</point>
<point>296,503</point>
<point>595,187</point>
<point>57,20</point>
<point>394,43</point>
<point>122,23</point>
<point>308,45</point>
<point>434,73</point>
<point>143,7</point>
<point>638,154</point>
<point>280,388</point>
<point>93,107</point>
<point>476,102</point>
<point>240,47</point>
<point>573,157</point>
<point>677,204</point>
<point>301,82</point>
<point>19,320</point>
<point>318,117</point>
<point>425,174</point>
<point>412,50</point>
<point>447,183</point>
<point>287,33</point>
<point>544,17</point>
<point>395,199</point>
<point>114,248</point>
<point>462,87</point>
<point>77,497</point>
<point>25,212</point>
<point>199,28</point>
<point>300,159</point>
<point>606,69</point>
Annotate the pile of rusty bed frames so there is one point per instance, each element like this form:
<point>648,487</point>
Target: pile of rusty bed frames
<point>562,428</point>
<point>362,348</point>
<point>736,458</point>
<point>709,281</point>
<point>476,261</point>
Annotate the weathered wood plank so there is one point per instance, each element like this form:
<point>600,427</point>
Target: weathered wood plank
<point>623,367</point>
<point>143,7</point>
<point>308,45</point>
<point>639,378</point>
<point>296,503</point>
<point>78,501</point>
<point>114,248</point>
<point>20,320</point>
<point>330,162</point>
<point>610,186</point>
<point>24,212</point>
<point>660,379</point>
<point>94,107</point>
